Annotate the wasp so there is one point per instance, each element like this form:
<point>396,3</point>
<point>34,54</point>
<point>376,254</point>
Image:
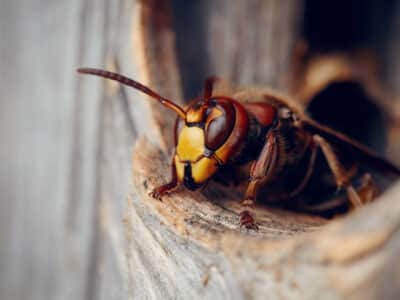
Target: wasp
<point>273,135</point>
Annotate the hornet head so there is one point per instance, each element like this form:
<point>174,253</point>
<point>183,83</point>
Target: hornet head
<point>207,133</point>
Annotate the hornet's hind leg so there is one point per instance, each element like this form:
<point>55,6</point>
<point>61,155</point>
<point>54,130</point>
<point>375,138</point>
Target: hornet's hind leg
<point>367,190</point>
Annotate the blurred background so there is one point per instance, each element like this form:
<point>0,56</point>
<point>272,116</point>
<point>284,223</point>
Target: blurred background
<point>66,146</point>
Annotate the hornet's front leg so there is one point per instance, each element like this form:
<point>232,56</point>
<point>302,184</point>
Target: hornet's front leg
<point>164,189</point>
<point>261,171</point>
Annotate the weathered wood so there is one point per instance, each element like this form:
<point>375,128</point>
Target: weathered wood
<point>189,245</point>
<point>141,46</point>
<point>118,130</point>
<point>49,133</point>
<point>243,42</point>
<point>249,44</point>
<point>76,221</point>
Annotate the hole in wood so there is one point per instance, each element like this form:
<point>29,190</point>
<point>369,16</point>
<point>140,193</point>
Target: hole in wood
<point>353,257</point>
<point>218,207</point>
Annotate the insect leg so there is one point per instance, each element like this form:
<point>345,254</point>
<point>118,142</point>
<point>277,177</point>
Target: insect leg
<point>309,171</point>
<point>341,176</point>
<point>160,191</point>
<point>261,171</point>
<point>367,189</point>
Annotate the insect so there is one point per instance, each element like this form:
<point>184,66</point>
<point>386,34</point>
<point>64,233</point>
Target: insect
<point>216,133</point>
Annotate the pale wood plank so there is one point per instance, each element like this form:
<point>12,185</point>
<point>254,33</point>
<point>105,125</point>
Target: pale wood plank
<point>49,129</point>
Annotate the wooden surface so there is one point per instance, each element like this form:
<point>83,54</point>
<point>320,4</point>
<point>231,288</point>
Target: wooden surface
<point>189,246</point>
<point>49,124</point>
<point>75,221</point>
<point>50,132</point>
<point>236,40</point>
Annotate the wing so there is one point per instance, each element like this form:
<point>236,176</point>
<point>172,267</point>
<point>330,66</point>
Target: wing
<point>352,147</point>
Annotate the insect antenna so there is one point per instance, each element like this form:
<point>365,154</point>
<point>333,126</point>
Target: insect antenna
<point>136,85</point>
<point>208,87</point>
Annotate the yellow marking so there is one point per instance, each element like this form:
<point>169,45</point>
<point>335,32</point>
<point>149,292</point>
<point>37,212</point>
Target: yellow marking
<point>179,169</point>
<point>203,169</point>
<point>190,143</point>
<point>195,116</point>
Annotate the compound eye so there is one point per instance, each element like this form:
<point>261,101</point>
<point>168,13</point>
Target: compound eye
<point>219,124</point>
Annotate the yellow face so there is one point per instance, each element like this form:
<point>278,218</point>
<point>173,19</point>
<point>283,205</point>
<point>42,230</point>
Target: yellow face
<point>204,141</point>
<point>192,166</point>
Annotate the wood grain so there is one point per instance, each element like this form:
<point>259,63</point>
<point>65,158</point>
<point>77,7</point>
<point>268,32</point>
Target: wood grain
<point>75,218</point>
<point>189,245</point>
<point>49,131</point>
<point>291,256</point>
<point>243,42</point>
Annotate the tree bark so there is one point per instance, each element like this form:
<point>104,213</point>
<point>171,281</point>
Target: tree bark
<point>189,245</point>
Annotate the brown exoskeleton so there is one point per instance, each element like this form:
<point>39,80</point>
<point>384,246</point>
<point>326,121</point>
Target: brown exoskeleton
<point>279,140</point>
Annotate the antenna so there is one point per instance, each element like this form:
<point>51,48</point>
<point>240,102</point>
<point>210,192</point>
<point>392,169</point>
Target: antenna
<point>208,87</point>
<point>136,85</point>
